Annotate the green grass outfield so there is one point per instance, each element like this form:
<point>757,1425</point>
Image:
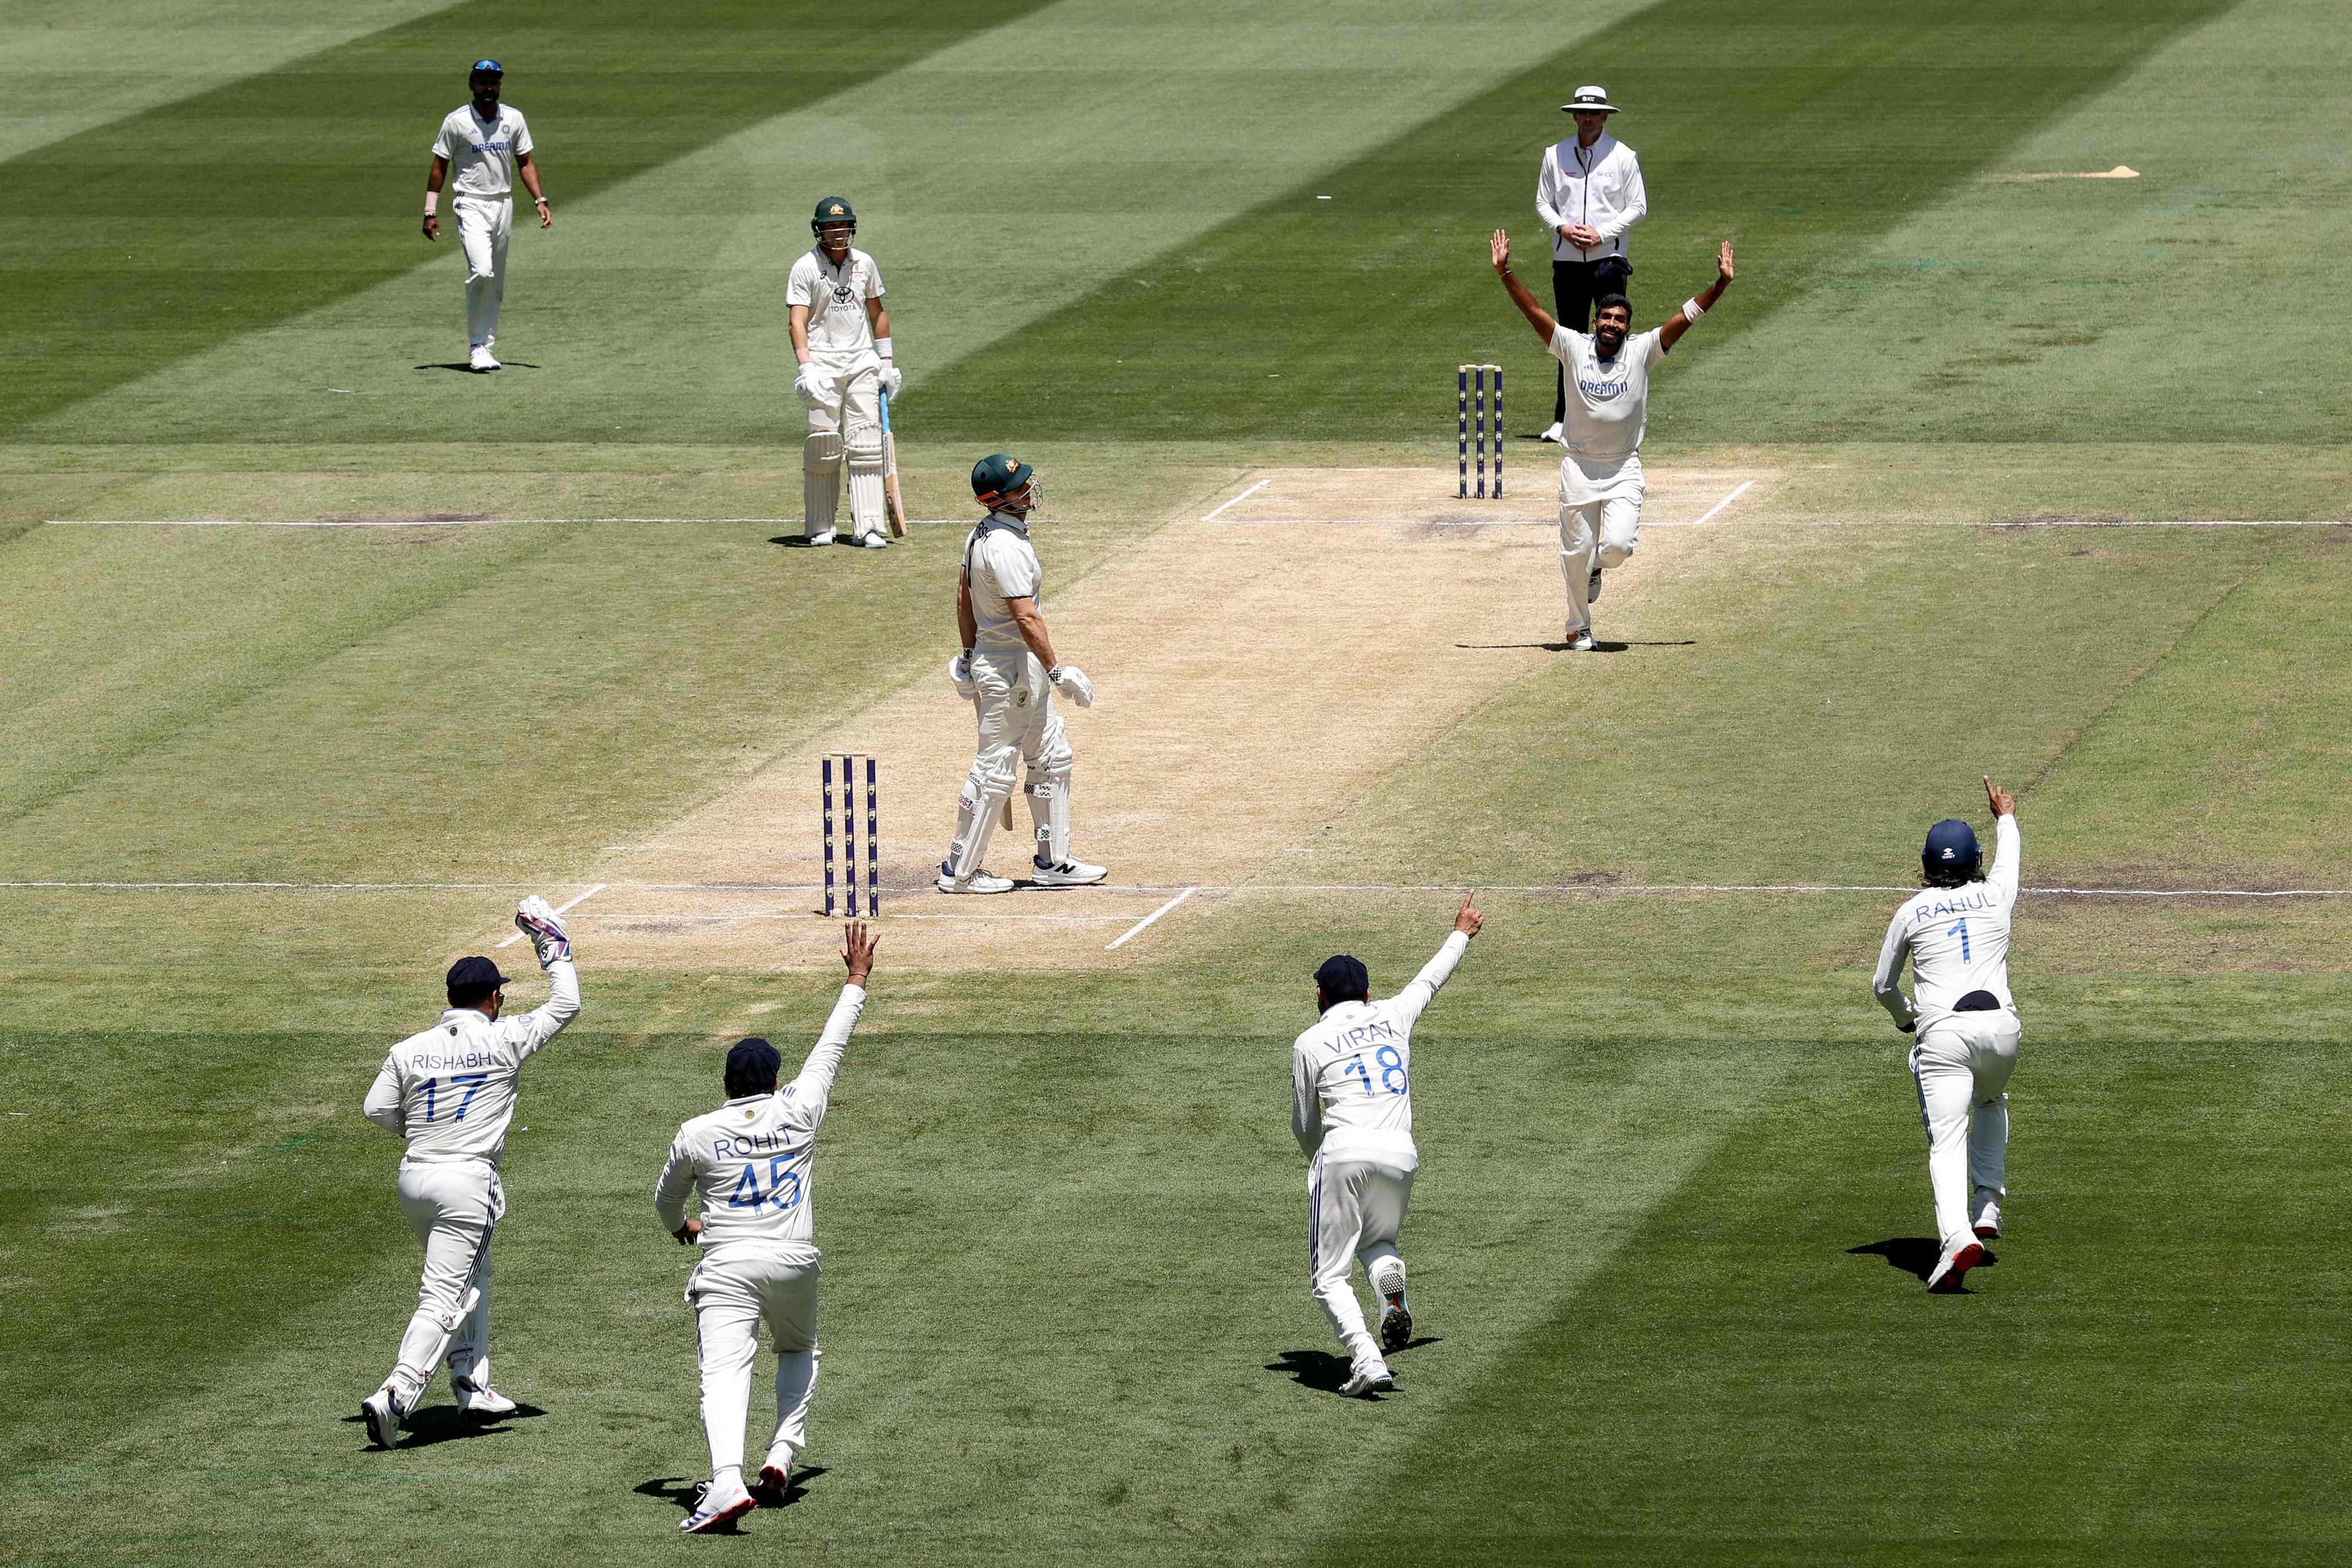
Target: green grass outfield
<point>1672,1163</point>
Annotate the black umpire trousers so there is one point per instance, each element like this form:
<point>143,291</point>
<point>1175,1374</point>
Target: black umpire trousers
<point>1574,286</point>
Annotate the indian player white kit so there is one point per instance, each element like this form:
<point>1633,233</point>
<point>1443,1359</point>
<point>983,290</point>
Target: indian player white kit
<point>1351,1111</point>
<point>1967,1032</point>
<point>845,415</point>
<point>1600,457</point>
<point>450,1091</point>
<point>753,1162</point>
<point>1015,704</point>
<point>481,154</point>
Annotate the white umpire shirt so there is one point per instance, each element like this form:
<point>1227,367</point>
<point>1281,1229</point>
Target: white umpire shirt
<point>753,1159</point>
<point>1598,186</point>
<point>1957,940</point>
<point>1351,1074</point>
<point>450,1091</point>
<point>481,152</point>
<point>836,297</point>
<point>1003,566</point>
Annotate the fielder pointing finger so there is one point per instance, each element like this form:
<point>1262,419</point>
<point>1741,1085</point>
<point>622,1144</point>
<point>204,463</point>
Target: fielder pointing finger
<point>1956,934</point>
<point>450,1092</point>
<point>840,335</point>
<point>751,1164</point>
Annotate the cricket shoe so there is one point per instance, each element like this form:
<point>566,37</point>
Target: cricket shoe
<point>773,1488</point>
<point>1580,641</point>
<point>1953,1266</point>
<point>1592,587</point>
<point>382,1412</point>
<point>1552,435</point>
<point>1066,874</point>
<point>1987,1220</point>
<point>872,542</point>
<point>715,1508</point>
<point>1396,1319</point>
<point>978,882</point>
<point>817,539</point>
<point>480,359</point>
<point>1367,1378</point>
<point>480,1402</point>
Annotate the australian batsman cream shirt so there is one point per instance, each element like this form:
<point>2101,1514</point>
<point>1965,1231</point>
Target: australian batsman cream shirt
<point>1351,1074</point>
<point>1003,566</point>
<point>836,297</point>
<point>450,1091</point>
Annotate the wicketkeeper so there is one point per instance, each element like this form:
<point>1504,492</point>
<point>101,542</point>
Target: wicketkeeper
<point>450,1091</point>
<point>840,335</point>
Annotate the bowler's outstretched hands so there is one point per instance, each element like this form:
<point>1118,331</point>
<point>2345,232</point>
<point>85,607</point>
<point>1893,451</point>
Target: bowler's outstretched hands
<point>1501,248</point>
<point>2003,802</point>
<point>1723,262</point>
<point>1469,921</point>
<point>858,945</point>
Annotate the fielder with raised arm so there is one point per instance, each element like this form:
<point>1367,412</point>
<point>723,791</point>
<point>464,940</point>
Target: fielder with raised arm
<point>1009,673</point>
<point>1351,1111</point>
<point>752,1162</point>
<point>1956,934</point>
<point>840,335</point>
<point>450,1091</point>
<point>487,144</point>
<point>1608,394</point>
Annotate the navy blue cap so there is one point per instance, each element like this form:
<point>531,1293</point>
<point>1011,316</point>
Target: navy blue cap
<point>488,67</point>
<point>751,1067</point>
<point>468,973</point>
<point>1343,979</point>
<point>1950,842</point>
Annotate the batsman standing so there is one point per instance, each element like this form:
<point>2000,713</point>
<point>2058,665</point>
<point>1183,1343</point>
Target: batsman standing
<point>1351,1111</point>
<point>1608,392</point>
<point>1009,673</point>
<point>488,144</point>
<point>450,1091</point>
<point>754,1164</point>
<point>1956,934</point>
<point>840,335</point>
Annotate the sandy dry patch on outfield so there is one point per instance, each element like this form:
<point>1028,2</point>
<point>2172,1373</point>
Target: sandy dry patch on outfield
<point>1430,495</point>
<point>1253,681</point>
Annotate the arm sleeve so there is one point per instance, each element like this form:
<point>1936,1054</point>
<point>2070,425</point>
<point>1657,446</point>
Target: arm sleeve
<point>678,1180</point>
<point>813,1086</point>
<point>1637,201</point>
<point>543,1023</point>
<point>1885,984</point>
<point>873,279</point>
<point>522,136</point>
<point>1415,998</point>
<point>1015,568</point>
<point>1559,336</point>
<point>1653,345</point>
<point>443,146</point>
<point>1305,1105</point>
<point>1548,196</point>
<point>796,286</point>
<point>2007,850</point>
<point>382,1103</point>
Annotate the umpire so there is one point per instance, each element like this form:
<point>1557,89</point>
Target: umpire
<point>1587,192</point>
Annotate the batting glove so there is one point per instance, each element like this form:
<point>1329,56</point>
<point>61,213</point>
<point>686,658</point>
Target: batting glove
<point>814,386</point>
<point>891,378</point>
<point>1072,682</point>
<point>959,672</point>
<point>545,928</point>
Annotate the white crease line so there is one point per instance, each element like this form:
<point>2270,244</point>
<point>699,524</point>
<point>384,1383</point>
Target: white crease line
<point>1744,486</point>
<point>1139,927</point>
<point>1377,888</point>
<point>560,910</point>
<point>618,916</point>
<point>418,521</point>
<point>1237,500</point>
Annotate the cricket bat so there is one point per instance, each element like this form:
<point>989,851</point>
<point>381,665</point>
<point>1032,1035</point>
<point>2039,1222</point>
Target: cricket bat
<point>893,508</point>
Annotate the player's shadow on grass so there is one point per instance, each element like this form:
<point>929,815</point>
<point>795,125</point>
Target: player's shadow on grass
<point>444,1423</point>
<point>469,369</point>
<point>685,1492</point>
<point>1598,645</point>
<point>1915,1254</point>
<point>1323,1371</point>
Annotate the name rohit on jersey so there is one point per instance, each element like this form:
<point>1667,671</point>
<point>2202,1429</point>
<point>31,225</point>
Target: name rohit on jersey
<point>1943,907</point>
<point>428,1062</point>
<point>1366,1034</point>
<point>744,1146</point>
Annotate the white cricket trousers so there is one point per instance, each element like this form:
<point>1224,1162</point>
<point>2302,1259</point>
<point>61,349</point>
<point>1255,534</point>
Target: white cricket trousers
<point>1355,1208</point>
<point>1599,528</point>
<point>1962,1066</point>
<point>733,1291</point>
<point>1018,723</point>
<point>844,432</point>
<point>483,228</point>
<point>453,1206</point>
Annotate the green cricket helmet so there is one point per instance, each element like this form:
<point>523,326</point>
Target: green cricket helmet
<point>832,209</point>
<point>997,476</point>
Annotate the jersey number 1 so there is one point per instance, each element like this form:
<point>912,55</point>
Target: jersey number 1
<point>1961,927</point>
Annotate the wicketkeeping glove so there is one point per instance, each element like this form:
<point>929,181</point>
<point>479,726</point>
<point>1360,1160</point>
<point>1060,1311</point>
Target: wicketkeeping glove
<point>545,928</point>
<point>959,672</point>
<point>1072,682</point>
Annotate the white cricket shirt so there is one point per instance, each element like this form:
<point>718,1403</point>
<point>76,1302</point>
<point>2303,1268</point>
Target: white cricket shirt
<point>836,297</point>
<point>1003,566</point>
<point>753,1159</point>
<point>1351,1074</point>
<point>481,152</point>
<point>450,1091</point>
<point>1957,940</point>
<point>1598,186</point>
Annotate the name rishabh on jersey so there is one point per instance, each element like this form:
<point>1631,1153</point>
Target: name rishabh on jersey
<point>450,1089</point>
<point>1956,937</point>
<point>753,1159</point>
<point>1351,1074</point>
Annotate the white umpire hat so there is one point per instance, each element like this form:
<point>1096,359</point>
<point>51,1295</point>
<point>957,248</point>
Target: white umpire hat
<point>1589,100</point>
